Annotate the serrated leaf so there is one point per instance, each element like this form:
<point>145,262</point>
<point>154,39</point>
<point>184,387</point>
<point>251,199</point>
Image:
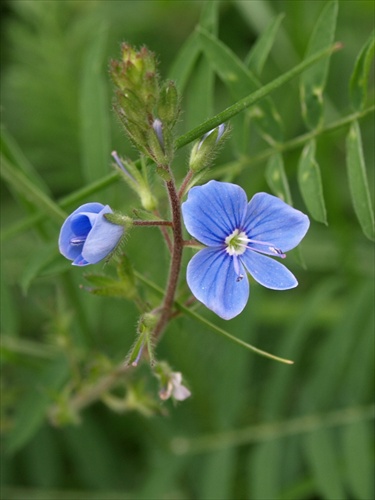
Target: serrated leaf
<point>358,183</point>
<point>313,80</point>
<point>276,178</point>
<point>32,409</point>
<point>322,456</point>
<point>360,76</point>
<point>258,54</point>
<point>358,459</point>
<point>94,110</point>
<point>240,82</point>
<point>310,183</point>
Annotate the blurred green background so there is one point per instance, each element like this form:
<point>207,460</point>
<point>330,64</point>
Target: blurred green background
<point>253,428</point>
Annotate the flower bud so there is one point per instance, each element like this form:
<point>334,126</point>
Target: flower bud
<point>204,150</point>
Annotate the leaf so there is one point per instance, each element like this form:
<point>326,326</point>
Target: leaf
<point>358,459</point>
<point>253,97</point>
<point>39,261</point>
<point>358,183</point>
<point>276,178</point>
<point>258,54</point>
<point>32,408</point>
<point>310,183</point>
<point>360,76</point>
<point>30,191</point>
<point>313,81</point>
<point>265,469</point>
<point>209,17</point>
<point>94,108</point>
<point>184,63</point>
<point>321,454</point>
<point>15,155</point>
<point>240,82</point>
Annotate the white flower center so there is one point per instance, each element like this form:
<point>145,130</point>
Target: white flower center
<point>236,242</point>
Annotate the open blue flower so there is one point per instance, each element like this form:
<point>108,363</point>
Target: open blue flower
<point>86,237</point>
<point>239,237</point>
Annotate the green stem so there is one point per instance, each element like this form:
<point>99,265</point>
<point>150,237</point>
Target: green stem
<point>271,431</point>
<point>254,97</point>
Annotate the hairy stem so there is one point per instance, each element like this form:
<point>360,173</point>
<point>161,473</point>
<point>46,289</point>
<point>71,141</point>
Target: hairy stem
<point>175,266</point>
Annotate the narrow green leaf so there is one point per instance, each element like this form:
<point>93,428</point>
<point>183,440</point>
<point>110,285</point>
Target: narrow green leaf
<point>265,469</point>
<point>358,459</point>
<point>209,16</point>
<point>32,409</point>
<point>310,183</point>
<point>258,54</point>
<point>217,475</point>
<point>94,109</point>
<point>322,456</point>
<point>313,81</point>
<point>240,81</point>
<point>30,191</point>
<point>39,261</point>
<point>360,76</point>
<point>184,63</point>
<point>358,183</point>
<point>253,97</point>
<point>276,178</point>
<point>13,152</point>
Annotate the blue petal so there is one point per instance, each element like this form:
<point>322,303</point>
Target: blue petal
<point>69,251</point>
<point>213,211</point>
<point>102,239</point>
<point>268,272</point>
<point>212,279</point>
<point>271,220</point>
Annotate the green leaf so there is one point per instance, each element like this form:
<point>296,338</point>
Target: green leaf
<point>310,183</point>
<point>276,178</point>
<point>184,63</point>
<point>258,54</point>
<point>32,408</point>
<point>358,459</point>
<point>209,17</point>
<point>265,469</point>
<point>40,260</point>
<point>240,81</point>
<point>322,456</point>
<point>253,97</point>
<point>30,191</point>
<point>358,183</point>
<point>360,76</point>
<point>313,81</point>
<point>15,155</point>
<point>94,109</point>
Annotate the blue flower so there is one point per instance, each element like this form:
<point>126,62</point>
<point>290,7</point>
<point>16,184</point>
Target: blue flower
<point>239,237</point>
<point>86,237</point>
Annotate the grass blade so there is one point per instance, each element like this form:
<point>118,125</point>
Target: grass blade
<point>94,106</point>
<point>358,183</point>
<point>30,191</point>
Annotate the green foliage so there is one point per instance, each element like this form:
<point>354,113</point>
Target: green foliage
<point>76,423</point>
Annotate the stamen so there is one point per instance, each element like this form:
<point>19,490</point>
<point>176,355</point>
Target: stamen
<point>270,247</point>
<point>77,240</point>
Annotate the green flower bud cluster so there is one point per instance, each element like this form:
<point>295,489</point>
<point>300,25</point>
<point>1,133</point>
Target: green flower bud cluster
<point>147,108</point>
